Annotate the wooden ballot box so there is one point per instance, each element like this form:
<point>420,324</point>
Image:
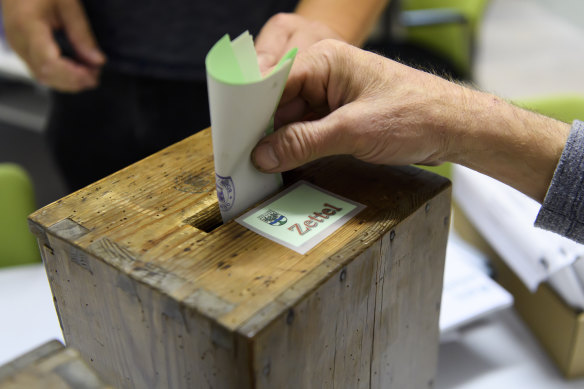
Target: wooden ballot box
<point>155,293</point>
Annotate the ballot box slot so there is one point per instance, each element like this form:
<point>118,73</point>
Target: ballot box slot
<point>207,219</point>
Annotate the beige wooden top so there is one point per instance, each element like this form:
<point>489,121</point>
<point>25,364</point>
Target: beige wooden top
<point>49,366</point>
<point>141,219</point>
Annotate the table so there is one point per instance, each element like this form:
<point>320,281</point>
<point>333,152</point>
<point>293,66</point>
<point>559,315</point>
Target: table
<point>498,352</point>
<point>28,316</point>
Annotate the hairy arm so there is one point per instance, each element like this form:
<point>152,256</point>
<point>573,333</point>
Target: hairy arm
<point>342,100</point>
<point>510,144</point>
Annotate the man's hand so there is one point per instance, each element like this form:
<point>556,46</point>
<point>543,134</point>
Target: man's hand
<point>342,100</point>
<point>365,105</point>
<point>29,29</point>
<point>283,32</point>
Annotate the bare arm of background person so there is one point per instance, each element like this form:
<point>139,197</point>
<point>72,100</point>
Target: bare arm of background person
<point>383,112</point>
<point>313,20</point>
<point>29,29</point>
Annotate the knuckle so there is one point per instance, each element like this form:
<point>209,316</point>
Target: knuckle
<point>296,142</point>
<point>281,19</point>
<point>330,49</point>
<point>331,44</point>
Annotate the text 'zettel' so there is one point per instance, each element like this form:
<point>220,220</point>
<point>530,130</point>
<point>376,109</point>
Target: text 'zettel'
<point>313,220</point>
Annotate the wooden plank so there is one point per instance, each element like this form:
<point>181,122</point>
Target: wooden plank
<point>50,366</point>
<point>408,299</point>
<point>325,337</point>
<point>22,362</point>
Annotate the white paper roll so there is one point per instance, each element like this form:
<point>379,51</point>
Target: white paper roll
<point>242,105</point>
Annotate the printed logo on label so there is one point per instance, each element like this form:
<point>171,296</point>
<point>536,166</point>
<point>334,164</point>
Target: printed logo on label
<point>273,218</point>
<point>225,192</point>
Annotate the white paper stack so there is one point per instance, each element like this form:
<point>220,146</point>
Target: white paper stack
<point>469,293</point>
<point>505,218</point>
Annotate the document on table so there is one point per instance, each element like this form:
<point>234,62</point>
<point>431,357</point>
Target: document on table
<point>505,218</point>
<point>468,293</point>
<point>242,104</point>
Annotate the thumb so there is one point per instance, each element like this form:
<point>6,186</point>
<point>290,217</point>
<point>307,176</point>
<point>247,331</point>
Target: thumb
<point>298,143</point>
<point>79,32</point>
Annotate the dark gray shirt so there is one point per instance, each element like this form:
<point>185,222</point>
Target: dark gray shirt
<point>170,38</point>
<point>562,210</point>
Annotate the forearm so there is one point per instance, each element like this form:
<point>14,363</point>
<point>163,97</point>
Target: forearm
<point>515,146</point>
<point>352,20</point>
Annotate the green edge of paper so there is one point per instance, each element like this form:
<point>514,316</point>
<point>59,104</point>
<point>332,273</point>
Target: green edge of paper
<point>290,55</point>
<point>222,64</point>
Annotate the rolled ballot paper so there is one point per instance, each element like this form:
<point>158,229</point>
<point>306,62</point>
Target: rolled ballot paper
<point>242,105</point>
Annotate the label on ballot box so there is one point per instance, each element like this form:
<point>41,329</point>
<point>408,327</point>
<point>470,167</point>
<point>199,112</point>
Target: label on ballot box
<point>301,216</point>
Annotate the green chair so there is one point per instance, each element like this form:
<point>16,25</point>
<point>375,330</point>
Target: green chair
<point>17,243</point>
<point>448,28</point>
<point>445,169</point>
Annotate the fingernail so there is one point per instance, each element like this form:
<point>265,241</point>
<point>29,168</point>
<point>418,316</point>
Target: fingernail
<point>264,157</point>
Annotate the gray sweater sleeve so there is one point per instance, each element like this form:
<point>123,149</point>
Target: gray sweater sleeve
<point>562,210</point>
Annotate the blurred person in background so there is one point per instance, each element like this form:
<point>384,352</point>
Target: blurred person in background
<point>128,78</point>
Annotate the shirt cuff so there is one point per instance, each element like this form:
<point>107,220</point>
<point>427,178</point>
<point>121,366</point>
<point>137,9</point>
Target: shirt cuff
<point>562,210</point>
